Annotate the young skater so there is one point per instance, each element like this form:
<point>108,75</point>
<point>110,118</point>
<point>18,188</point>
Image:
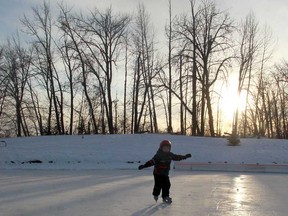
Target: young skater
<point>161,162</point>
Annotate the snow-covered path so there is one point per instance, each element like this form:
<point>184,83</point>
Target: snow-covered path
<point>128,192</point>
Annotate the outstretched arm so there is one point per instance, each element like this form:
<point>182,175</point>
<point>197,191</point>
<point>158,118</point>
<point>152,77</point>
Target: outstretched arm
<point>147,164</point>
<point>150,163</point>
<point>180,157</point>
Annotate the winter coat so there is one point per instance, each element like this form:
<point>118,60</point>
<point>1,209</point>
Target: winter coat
<point>162,161</point>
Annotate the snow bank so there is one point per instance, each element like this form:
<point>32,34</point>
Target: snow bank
<point>128,151</point>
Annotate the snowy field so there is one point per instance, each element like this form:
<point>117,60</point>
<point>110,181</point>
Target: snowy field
<point>127,151</point>
<point>97,175</point>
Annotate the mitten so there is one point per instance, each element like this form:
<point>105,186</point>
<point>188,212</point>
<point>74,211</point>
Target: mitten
<point>141,167</point>
<point>188,155</point>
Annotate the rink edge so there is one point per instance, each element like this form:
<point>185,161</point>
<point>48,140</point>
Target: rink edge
<point>256,168</point>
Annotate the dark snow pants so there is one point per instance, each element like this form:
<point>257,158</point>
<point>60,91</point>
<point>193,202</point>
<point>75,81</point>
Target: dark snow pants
<point>161,182</point>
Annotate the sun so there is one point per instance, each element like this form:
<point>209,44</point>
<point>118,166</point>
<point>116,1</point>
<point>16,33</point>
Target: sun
<point>230,100</point>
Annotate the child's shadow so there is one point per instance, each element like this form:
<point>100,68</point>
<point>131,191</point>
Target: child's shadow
<point>150,210</point>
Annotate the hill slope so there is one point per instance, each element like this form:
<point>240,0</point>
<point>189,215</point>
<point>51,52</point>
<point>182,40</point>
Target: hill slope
<point>128,151</point>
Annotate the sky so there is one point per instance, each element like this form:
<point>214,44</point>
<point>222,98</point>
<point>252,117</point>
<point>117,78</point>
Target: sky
<point>273,13</point>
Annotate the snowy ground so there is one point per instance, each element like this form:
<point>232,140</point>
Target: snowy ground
<point>127,151</point>
<point>128,193</point>
<point>97,175</point>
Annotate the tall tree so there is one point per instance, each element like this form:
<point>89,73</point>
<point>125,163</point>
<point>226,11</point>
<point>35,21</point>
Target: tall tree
<point>3,85</point>
<point>16,71</point>
<point>207,35</point>
<point>125,85</point>
<point>144,72</point>
<point>248,48</point>
<point>69,24</point>
<point>40,27</point>
<point>104,33</point>
<point>169,34</point>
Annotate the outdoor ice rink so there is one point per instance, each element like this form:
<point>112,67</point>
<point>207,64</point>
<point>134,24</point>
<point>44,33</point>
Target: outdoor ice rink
<point>128,192</point>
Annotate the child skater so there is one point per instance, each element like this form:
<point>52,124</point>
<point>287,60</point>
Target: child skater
<point>161,162</point>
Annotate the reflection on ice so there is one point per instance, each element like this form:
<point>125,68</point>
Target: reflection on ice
<point>240,190</point>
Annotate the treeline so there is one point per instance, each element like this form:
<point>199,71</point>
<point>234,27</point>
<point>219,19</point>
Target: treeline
<point>62,78</point>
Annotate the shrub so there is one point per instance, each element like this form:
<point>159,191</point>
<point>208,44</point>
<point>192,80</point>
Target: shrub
<point>233,140</point>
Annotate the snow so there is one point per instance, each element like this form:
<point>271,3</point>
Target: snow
<point>98,175</point>
<point>127,151</point>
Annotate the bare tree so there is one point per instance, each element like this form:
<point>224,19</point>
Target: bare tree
<point>169,34</point>
<point>71,57</point>
<point>70,27</point>
<point>103,38</point>
<point>145,70</point>
<point>249,45</point>
<point>279,100</point>
<point>259,113</point>
<point>214,43</point>
<point>125,85</point>
<point>15,69</point>
<point>40,27</point>
<point>3,80</point>
<point>207,35</point>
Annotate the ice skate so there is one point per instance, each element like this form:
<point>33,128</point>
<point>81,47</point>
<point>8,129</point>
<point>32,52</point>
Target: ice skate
<point>167,200</point>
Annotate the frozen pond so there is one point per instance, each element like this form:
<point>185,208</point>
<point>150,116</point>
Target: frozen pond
<point>128,192</point>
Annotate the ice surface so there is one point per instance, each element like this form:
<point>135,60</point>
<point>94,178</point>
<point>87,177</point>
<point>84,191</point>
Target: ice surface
<point>128,192</point>
<point>96,175</point>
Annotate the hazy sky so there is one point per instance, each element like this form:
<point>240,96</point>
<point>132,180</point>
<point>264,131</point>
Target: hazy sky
<point>274,13</point>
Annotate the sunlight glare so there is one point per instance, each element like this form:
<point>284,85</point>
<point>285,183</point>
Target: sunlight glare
<point>231,100</point>
<point>239,192</point>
